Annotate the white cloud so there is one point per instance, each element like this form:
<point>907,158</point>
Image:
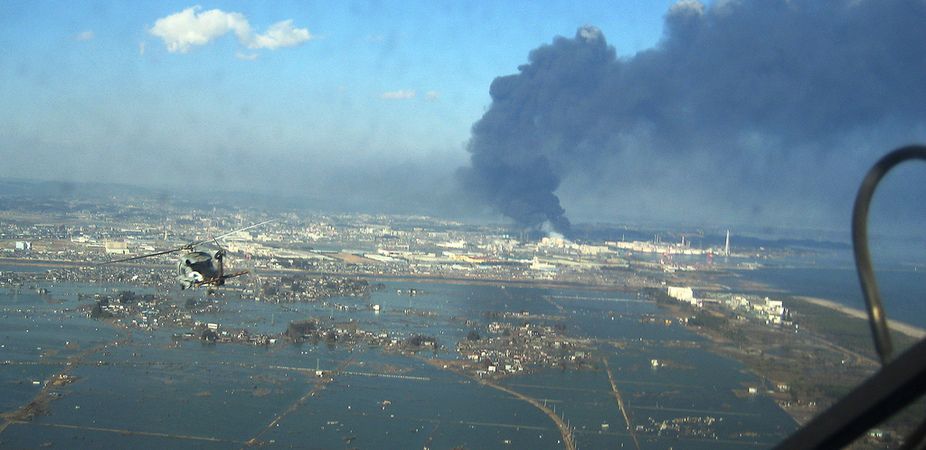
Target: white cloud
<point>141,48</point>
<point>246,56</point>
<point>84,35</point>
<point>280,34</point>
<point>190,27</point>
<point>403,94</point>
<point>590,33</point>
<point>687,7</point>
<point>432,96</point>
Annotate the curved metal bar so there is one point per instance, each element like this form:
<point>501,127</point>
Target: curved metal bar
<point>898,384</point>
<point>876,315</point>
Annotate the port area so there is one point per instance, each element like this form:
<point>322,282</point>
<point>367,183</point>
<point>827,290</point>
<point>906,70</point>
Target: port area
<point>804,368</point>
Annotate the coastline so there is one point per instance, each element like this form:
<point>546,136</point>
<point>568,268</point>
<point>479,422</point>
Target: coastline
<point>900,327</point>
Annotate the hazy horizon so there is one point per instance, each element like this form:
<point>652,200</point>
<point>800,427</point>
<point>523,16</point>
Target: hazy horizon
<point>745,113</point>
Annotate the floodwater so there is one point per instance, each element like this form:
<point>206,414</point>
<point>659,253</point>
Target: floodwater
<point>141,389</point>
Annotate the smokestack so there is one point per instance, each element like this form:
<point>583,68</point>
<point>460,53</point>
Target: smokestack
<point>726,245</point>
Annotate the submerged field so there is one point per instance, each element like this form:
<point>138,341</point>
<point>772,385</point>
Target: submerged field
<point>146,389</point>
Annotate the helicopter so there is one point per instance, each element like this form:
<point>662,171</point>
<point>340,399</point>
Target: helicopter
<point>199,268</point>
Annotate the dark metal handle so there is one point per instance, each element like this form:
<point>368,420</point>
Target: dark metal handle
<point>876,315</point>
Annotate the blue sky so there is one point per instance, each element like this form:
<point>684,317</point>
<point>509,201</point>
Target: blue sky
<point>91,92</point>
<point>737,111</point>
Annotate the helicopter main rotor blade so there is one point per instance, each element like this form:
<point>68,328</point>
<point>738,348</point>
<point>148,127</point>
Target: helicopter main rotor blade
<point>165,252</point>
<point>216,238</point>
<point>188,247</point>
<point>243,229</point>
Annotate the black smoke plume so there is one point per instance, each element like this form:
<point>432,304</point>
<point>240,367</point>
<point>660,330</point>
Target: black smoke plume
<point>752,107</point>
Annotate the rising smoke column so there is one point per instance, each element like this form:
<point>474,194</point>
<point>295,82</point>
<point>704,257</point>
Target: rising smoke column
<point>746,102</point>
<point>531,124</point>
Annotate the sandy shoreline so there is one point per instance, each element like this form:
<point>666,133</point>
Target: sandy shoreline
<point>900,327</point>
